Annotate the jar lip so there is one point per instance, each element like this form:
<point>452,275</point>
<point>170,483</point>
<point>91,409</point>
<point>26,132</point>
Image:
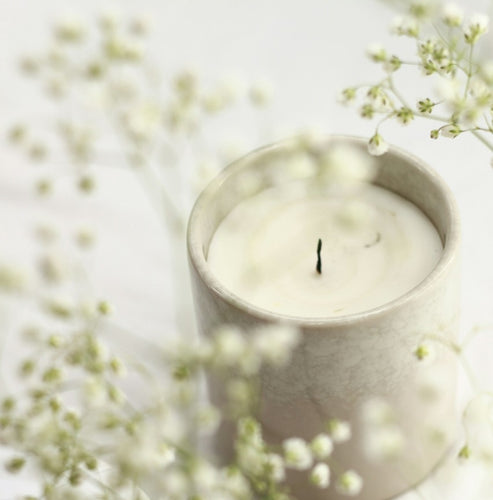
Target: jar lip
<point>199,261</point>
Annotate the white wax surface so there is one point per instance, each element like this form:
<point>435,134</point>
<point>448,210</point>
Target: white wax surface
<point>376,246</point>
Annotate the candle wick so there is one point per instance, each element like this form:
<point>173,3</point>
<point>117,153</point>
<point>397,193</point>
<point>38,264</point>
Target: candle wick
<point>319,258</point>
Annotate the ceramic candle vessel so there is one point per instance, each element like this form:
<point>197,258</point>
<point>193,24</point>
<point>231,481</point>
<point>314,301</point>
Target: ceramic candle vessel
<point>345,363</point>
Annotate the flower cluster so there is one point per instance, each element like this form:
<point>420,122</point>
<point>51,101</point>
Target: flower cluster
<point>446,53</point>
<point>112,106</point>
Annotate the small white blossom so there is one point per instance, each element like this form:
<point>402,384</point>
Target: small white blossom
<point>377,146</point>
<point>276,464</point>
<point>261,92</point>
<point>377,412</point>
<point>349,483</point>
<point>234,482</point>
<point>354,214</point>
<point>70,28</point>
<point>452,15</point>
<point>405,26</point>
<point>300,166</point>
<point>176,484</point>
<point>275,343</point>
<point>251,459</point>
<point>143,120</point>
<point>477,26</point>
<point>425,352</point>
<point>347,164</point>
<point>230,345</point>
<point>320,475</point>
<point>376,52</point>
<point>384,443</point>
<point>451,131</point>
<point>205,476</point>
<point>297,454</point>
<point>322,446</point>
<point>340,431</point>
<point>94,391</point>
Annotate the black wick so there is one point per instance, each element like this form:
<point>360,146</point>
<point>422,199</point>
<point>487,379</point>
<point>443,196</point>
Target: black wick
<point>319,258</point>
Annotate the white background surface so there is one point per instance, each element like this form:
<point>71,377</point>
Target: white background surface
<point>310,50</point>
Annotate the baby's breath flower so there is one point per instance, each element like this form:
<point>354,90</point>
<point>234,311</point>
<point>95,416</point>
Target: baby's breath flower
<point>421,8</point>
<point>37,151</point>
<point>424,351</point>
<point>384,442</point>
<point>393,64</point>
<point>451,131</point>
<point>347,95</point>
<point>230,345</point>
<point>354,214</point>
<point>53,268</point>
<point>348,165</point>
<point>69,29</point>
<point>84,238</point>
<point>261,92</point>
<point>140,25</point>
<point>477,26</point>
<point>377,412</point>
<point>61,307</point>
<point>29,65</point>
<point>17,133</point>
<point>452,15</point>
<point>14,465</point>
<point>367,111</point>
<point>464,453</point>
<point>276,465</point>
<point>376,52</point>
<point>12,279</point>
<point>405,26</point>
<point>349,483</point>
<point>425,105</point>
<point>322,446</point>
<point>275,343</point>
<point>320,475</point>
<point>104,308</point>
<point>297,454</point>
<point>339,430</point>
<point>404,115</point>
<point>86,184</point>
<point>377,146</point>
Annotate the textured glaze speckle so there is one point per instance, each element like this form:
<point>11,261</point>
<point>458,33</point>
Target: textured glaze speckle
<point>344,361</point>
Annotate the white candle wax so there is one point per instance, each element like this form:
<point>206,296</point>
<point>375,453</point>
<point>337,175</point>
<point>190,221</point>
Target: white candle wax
<point>376,246</point>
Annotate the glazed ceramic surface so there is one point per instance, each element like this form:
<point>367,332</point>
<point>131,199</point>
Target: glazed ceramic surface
<point>344,362</point>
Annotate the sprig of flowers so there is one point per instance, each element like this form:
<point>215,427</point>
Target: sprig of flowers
<point>446,53</point>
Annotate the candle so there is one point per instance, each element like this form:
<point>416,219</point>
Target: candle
<point>365,272</point>
<point>374,247</point>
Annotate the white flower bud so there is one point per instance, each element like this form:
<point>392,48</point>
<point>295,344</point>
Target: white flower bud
<point>276,464</point>
<point>274,343</point>
<point>477,26</point>
<point>452,15</point>
<point>322,446</point>
<point>297,454</point>
<point>376,52</point>
<point>377,146</point>
<point>230,345</point>
<point>384,443</point>
<point>320,475</point>
<point>339,430</point>
<point>349,483</point>
<point>347,164</point>
<point>261,92</point>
